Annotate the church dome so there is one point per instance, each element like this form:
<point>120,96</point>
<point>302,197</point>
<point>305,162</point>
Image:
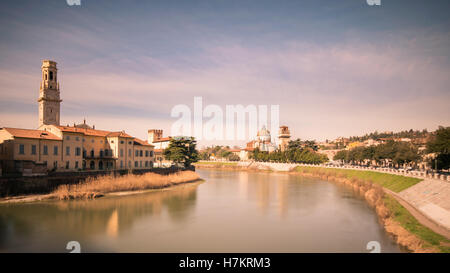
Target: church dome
<point>264,134</point>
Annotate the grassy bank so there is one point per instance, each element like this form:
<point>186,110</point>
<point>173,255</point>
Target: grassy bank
<point>408,222</point>
<point>94,187</point>
<point>395,183</point>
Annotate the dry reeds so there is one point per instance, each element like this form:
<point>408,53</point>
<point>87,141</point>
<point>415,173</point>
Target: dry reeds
<point>95,187</point>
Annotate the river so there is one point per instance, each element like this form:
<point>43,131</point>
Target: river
<point>232,211</point>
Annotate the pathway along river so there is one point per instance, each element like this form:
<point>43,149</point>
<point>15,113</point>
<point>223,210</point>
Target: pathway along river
<point>230,212</point>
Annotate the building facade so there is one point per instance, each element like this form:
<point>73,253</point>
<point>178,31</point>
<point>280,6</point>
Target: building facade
<point>155,138</point>
<point>53,147</point>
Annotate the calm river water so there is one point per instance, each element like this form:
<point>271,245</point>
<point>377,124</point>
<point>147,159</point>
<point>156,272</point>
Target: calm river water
<point>230,212</point>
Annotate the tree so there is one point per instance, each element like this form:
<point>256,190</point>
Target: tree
<point>234,157</point>
<point>182,150</point>
<point>440,144</point>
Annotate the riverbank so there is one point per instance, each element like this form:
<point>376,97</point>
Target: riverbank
<point>396,219</point>
<point>95,187</point>
<point>379,189</point>
<point>32,185</point>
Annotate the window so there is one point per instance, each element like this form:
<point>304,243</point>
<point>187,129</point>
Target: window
<point>67,150</point>
<point>136,164</point>
<point>140,163</point>
<point>67,137</point>
<point>151,153</point>
<point>67,164</point>
<point>146,164</point>
<point>33,149</point>
<point>129,164</point>
<point>76,164</point>
<point>55,164</point>
<point>77,151</point>
<point>92,141</point>
<point>121,142</point>
<point>92,165</point>
<point>51,75</point>
<point>136,153</point>
<point>146,153</point>
<point>21,149</point>
<point>121,164</point>
<point>129,142</point>
<point>140,153</point>
<point>121,152</point>
<point>92,153</point>
<point>45,150</point>
<point>101,153</point>
<point>45,164</point>
<point>55,150</point>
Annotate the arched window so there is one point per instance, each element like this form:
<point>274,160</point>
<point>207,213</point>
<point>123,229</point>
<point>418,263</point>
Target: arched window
<point>92,165</point>
<point>100,165</point>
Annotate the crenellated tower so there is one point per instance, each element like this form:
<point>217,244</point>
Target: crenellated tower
<point>284,136</point>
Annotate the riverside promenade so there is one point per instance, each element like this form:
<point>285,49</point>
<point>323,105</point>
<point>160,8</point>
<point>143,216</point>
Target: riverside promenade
<point>428,201</point>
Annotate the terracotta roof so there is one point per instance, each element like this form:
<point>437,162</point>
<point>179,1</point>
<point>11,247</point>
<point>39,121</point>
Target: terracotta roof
<point>93,132</point>
<point>158,150</point>
<point>235,150</point>
<point>119,134</point>
<point>142,142</point>
<point>248,149</point>
<point>30,133</point>
<point>163,139</point>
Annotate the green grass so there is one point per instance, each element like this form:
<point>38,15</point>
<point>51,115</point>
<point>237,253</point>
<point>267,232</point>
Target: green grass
<point>395,183</point>
<point>218,163</point>
<point>407,221</point>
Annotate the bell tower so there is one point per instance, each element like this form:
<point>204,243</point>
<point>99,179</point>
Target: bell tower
<point>49,100</point>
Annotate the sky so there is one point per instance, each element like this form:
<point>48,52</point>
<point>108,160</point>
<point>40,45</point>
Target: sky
<point>335,68</point>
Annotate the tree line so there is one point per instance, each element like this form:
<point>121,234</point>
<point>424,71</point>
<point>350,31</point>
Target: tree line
<point>297,151</point>
<point>395,153</point>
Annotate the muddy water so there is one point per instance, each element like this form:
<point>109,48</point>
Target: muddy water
<point>230,212</point>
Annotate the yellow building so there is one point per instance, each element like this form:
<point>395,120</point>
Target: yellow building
<point>67,148</point>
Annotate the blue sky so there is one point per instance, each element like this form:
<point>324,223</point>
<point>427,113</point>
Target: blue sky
<point>336,68</point>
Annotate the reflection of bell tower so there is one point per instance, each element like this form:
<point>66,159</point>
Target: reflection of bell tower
<point>49,101</point>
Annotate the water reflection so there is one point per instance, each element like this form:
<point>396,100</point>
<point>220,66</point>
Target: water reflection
<point>88,218</point>
<point>230,212</point>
